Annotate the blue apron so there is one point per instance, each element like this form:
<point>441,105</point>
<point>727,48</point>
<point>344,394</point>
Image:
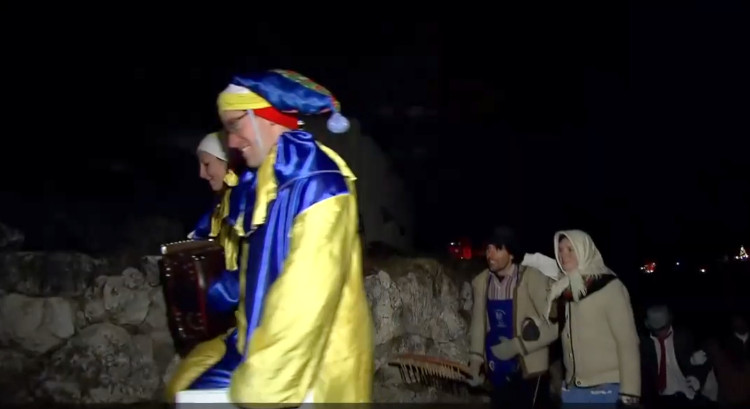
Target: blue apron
<point>500,314</point>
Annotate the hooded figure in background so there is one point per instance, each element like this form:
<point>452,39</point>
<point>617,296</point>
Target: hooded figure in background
<point>599,337</point>
<point>730,355</point>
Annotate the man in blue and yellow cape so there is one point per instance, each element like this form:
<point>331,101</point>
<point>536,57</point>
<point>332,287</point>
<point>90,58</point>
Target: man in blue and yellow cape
<point>304,329</point>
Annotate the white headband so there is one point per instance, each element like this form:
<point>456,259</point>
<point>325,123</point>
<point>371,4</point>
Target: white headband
<point>212,145</point>
<point>236,89</point>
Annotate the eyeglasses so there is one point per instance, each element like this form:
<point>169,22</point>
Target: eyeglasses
<point>233,125</point>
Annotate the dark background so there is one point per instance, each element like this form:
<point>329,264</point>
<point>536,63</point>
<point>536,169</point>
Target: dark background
<point>629,122</point>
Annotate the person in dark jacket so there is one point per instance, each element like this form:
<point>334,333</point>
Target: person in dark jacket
<point>731,362</point>
<point>673,369</point>
<point>737,343</point>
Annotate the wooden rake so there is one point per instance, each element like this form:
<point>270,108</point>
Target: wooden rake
<point>443,374</point>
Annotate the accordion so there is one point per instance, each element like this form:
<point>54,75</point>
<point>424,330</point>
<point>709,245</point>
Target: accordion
<point>187,270</point>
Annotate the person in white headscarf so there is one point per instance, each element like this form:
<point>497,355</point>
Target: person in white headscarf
<point>213,159</point>
<point>224,292</point>
<point>599,336</point>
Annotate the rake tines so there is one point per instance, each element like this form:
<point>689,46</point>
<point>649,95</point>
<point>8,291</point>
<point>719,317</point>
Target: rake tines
<point>443,374</point>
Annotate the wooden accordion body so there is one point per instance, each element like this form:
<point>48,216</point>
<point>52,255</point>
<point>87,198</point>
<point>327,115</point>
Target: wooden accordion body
<point>187,270</point>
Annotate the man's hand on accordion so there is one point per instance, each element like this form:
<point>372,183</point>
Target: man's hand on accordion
<point>224,293</point>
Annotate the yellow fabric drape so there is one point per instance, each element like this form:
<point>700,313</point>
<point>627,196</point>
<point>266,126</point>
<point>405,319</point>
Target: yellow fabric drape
<point>316,331</point>
<point>199,360</point>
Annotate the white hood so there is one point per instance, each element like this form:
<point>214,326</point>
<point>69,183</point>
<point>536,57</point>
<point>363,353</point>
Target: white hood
<point>212,145</point>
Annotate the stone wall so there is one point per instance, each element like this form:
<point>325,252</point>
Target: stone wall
<point>417,308</point>
<point>77,329</point>
<point>69,332</point>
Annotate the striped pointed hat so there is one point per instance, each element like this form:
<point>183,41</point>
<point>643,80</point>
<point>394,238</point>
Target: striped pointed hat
<point>279,96</point>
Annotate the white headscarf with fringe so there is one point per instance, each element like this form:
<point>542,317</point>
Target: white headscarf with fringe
<point>590,264</point>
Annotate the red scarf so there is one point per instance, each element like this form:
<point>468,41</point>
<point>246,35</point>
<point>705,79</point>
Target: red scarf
<point>663,362</point>
<point>274,115</point>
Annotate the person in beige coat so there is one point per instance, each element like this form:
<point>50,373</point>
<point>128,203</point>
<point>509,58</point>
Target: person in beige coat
<point>506,294</point>
<point>600,343</point>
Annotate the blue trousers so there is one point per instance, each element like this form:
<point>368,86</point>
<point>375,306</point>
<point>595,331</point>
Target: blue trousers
<point>601,396</point>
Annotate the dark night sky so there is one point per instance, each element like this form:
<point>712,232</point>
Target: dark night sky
<point>627,122</point>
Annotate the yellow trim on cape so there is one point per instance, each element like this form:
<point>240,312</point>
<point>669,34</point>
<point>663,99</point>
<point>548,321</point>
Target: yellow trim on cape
<point>239,314</point>
<point>224,233</point>
<point>265,190</point>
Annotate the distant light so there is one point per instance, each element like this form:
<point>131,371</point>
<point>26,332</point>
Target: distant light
<point>649,268</point>
<point>677,263</point>
<point>703,270</point>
